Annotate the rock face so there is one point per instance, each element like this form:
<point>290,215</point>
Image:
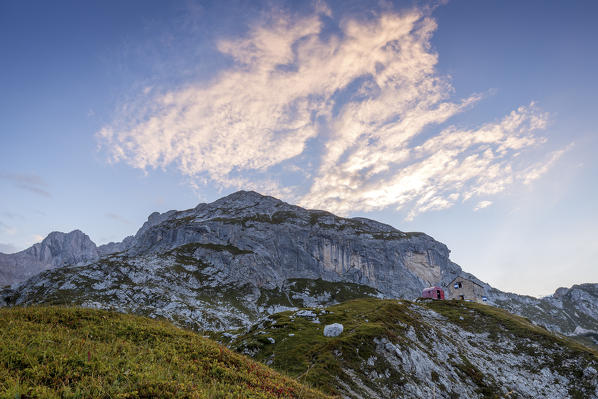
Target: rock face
<point>222,264</point>
<point>56,250</point>
<point>569,311</point>
<point>225,264</point>
<point>430,349</point>
<point>264,241</point>
<point>114,247</point>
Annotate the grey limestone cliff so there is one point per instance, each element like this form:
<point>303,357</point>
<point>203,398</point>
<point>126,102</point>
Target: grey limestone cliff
<point>569,311</point>
<point>56,250</point>
<point>263,241</point>
<point>229,262</point>
<point>226,263</point>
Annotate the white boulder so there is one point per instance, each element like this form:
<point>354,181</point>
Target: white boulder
<point>333,330</point>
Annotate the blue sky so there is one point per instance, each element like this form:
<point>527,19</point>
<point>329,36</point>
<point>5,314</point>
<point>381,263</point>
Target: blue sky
<point>474,122</point>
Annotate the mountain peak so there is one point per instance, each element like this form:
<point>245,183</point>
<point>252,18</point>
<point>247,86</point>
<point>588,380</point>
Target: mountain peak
<point>75,234</point>
<point>243,197</point>
<point>56,250</point>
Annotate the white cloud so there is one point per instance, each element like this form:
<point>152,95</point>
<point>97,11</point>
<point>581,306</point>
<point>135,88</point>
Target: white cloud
<point>482,205</point>
<point>351,112</point>
<point>536,170</point>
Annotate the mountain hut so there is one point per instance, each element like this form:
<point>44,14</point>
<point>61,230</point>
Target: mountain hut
<point>433,292</point>
<point>465,289</point>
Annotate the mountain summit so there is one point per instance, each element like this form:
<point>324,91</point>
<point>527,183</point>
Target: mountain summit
<point>228,263</point>
<point>56,250</point>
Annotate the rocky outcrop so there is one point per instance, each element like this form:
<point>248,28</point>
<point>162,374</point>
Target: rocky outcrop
<point>116,247</point>
<point>430,349</point>
<point>225,263</point>
<point>56,250</point>
<point>263,241</point>
<point>569,311</point>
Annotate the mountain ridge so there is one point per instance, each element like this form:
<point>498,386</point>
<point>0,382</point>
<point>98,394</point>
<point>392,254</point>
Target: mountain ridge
<point>423,349</point>
<point>56,250</point>
<point>259,247</point>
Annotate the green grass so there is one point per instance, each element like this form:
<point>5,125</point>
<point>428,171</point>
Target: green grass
<point>60,352</point>
<point>319,360</point>
<point>302,351</point>
<point>481,318</point>
<point>329,292</point>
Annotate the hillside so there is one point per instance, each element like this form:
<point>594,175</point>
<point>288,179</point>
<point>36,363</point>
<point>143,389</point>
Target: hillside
<point>434,349</point>
<point>52,352</point>
<point>192,266</point>
<point>570,311</point>
<point>189,266</point>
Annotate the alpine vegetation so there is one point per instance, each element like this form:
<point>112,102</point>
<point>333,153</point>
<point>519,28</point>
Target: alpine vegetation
<point>325,299</point>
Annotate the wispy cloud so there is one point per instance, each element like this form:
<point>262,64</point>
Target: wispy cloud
<point>12,215</point>
<point>6,229</point>
<point>29,182</point>
<point>8,248</point>
<point>37,238</point>
<point>482,205</point>
<point>536,170</point>
<point>351,113</point>
<point>118,218</point>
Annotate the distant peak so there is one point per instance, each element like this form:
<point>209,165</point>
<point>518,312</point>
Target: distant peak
<point>75,232</point>
<point>244,197</point>
<point>245,194</point>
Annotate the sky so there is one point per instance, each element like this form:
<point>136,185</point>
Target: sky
<point>474,122</point>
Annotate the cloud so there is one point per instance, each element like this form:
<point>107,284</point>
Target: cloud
<point>6,229</point>
<point>454,165</point>
<point>482,205</point>
<point>352,120</point>
<point>535,171</point>
<point>118,218</point>
<point>7,248</point>
<point>29,182</point>
<point>12,215</point>
<point>37,238</point>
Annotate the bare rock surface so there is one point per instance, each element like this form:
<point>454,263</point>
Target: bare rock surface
<point>430,349</point>
<point>56,250</point>
<point>333,330</point>
<point>225,263</point>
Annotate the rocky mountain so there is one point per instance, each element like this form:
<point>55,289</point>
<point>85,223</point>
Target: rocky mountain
<point>226,264</point>
<point>194,266</point>
<point>56,250</point>
<point>267,277</point>
<point>569,311</point>
<point>429,349</point>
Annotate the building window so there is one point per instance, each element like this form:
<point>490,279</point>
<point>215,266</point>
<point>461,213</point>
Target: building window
<point>458,285</point>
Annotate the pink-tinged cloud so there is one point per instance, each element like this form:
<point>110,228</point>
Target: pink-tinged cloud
<point>365,96</point>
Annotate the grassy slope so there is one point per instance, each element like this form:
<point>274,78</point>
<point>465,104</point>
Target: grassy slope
<point>83,353</point>
<point>476,317</point>
<point>310,356</point>
<point>302,351</point>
